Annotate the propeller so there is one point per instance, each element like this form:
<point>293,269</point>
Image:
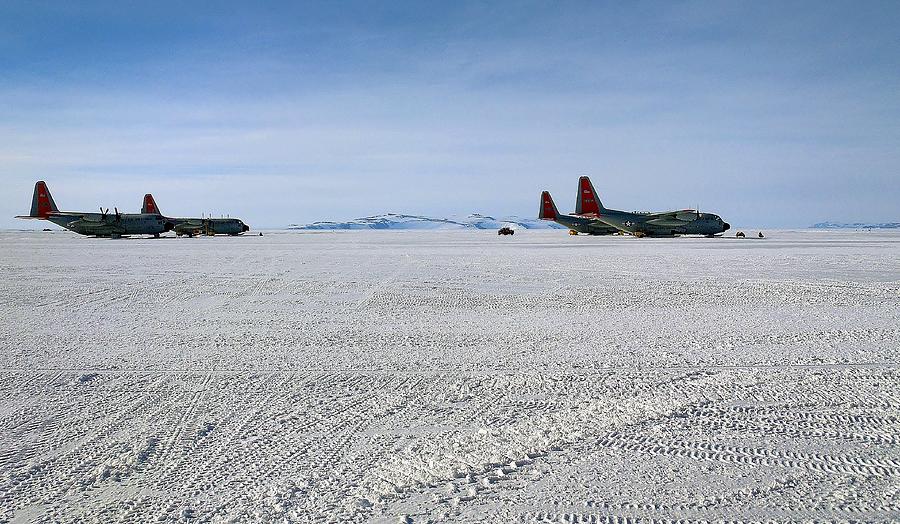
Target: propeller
<point>118,215</point>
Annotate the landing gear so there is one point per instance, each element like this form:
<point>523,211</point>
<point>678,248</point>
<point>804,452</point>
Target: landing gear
<point>155,235</point>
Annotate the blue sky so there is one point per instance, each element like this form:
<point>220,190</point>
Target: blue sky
<point>773,114</point>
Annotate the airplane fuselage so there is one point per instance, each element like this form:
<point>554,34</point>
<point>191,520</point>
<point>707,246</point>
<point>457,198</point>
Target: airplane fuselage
<point>109,225</point>
<point>664,224</point>
<point>209,226</point>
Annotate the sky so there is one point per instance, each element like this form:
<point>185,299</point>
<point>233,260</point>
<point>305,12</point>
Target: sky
<point>771,114</point>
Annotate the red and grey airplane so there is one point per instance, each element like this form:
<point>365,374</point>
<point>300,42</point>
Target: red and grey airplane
<point>655,224</point>
<point>592,218</point>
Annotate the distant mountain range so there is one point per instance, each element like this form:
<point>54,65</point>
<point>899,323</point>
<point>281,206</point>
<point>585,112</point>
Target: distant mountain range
<point>399,221</point>
<point>478,221</point>
<point>856,225</point>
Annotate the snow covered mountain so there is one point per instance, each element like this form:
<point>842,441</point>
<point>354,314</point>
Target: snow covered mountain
<point>856,225</point>
<point>400,221</point>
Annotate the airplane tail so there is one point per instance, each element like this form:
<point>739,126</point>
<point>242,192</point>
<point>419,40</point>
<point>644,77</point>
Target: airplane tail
<point>150,206</point>
<point>548,208</point>
<point>588,203</point>
<point>42,203</point>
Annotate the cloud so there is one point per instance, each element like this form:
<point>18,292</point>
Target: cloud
<point>310,113</point>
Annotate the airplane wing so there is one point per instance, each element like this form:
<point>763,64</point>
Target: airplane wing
<point>54,214</point>
<point>671,217</point>
<point>85,217</point>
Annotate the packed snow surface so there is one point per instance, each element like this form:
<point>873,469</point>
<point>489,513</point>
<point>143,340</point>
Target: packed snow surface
<point>412,377</point>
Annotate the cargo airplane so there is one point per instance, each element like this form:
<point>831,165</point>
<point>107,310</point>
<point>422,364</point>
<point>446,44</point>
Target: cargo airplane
<point>196,226</point>
<point>102,224</point>
<point>656,224</point>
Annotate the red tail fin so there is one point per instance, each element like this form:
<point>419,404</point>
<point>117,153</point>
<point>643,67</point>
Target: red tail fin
<point>587,203</point>
<point>548,208</point>
<point>149,206</point>
<point>42,203</point>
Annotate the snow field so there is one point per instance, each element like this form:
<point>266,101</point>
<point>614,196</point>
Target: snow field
<point>382,376</point>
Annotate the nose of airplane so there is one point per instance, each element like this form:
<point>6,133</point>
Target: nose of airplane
<point>725,227</point>
<point>246,228</point>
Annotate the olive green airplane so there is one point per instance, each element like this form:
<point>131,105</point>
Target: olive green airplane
<point>661,224</point>
<point>102,224</point>
<point>196,226</point>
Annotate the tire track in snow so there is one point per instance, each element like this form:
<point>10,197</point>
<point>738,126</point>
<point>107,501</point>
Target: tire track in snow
<point>484,454</point>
